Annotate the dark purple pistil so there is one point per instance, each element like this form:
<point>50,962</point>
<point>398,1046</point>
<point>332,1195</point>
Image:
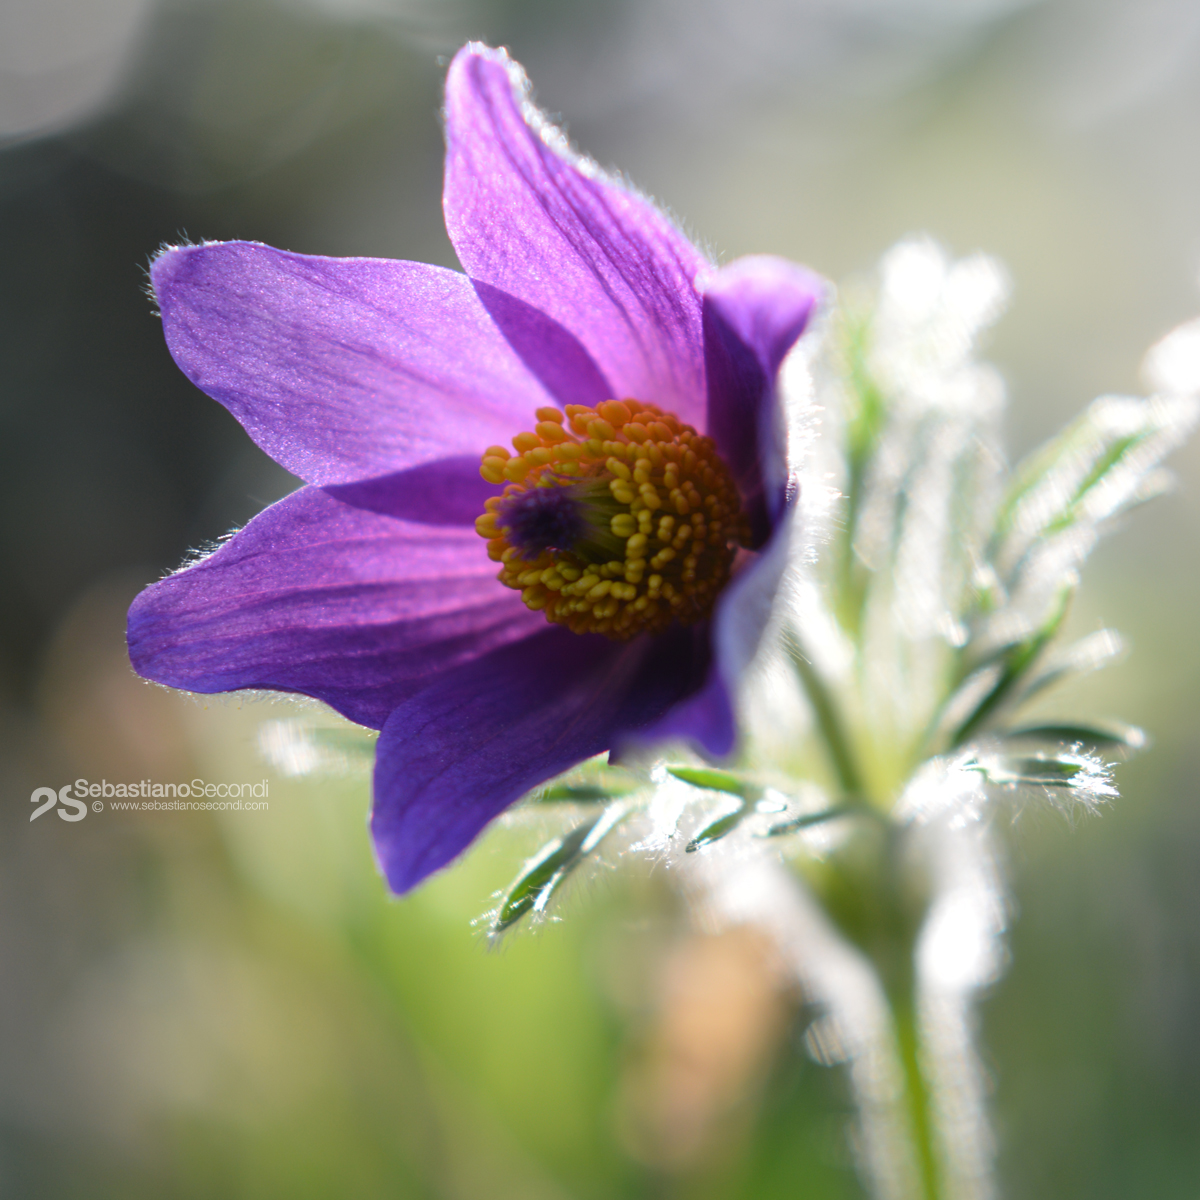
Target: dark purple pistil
<point>543,518</point>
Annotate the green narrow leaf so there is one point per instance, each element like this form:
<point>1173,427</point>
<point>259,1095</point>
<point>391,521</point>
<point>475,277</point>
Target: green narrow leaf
<point>716,829</point>
<point>1088,654</point>
<point>1017,660</point>
<point>578,793</point>
<point>869,414</point>
<point>1113,435</point>
<point>717,781</point>
<point>1105,462</point>
<point>545,872</point>
<point>864,425</point>
<point>807,820</point>
<point>1048,772</point>
<point>1034,469</point>
<point>713,780</point>
<point>1127,737</point>
<point>829,719</point>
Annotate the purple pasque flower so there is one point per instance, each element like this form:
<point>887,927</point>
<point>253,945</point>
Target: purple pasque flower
<point>382,383</point>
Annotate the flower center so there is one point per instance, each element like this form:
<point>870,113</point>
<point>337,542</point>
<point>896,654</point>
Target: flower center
<point>617,519</point>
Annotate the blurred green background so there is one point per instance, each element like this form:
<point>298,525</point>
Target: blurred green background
<point>198,1007</point>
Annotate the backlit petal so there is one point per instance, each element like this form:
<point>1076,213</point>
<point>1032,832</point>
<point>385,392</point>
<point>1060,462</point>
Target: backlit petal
<point>462,750</point>
<point>317,596</point>
<point>754,310</point>
<point>342,369</point>
<point>742,616</point>
<point>528,216</point>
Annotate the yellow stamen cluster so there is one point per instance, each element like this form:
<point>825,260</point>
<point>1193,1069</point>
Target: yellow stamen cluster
<point>663,514</point>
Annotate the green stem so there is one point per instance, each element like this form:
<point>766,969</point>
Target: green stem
<point>918,1102</point>
<point>878,897</point>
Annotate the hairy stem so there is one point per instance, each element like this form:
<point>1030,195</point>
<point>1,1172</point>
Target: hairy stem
<point>917,1098</point>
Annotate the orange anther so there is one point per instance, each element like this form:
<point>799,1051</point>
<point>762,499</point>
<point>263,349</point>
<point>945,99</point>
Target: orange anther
<point>632,460</point>
<point>614,412</point>
<point>550,431</point>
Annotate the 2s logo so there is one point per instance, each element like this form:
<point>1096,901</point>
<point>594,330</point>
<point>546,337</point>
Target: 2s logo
<point>50,798</point>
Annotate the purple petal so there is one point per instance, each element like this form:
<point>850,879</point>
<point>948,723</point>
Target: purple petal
<point>319,597</point>
<point>739,622</point>
<point>342,369</point>
<point>447,492</point>
<point>462,750</point>
<point>554,355</point>
<point>705,719</point>
<point>766,302</point>
<point>754,310</point>
<point>745,609</point>
<point>532,219</point>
